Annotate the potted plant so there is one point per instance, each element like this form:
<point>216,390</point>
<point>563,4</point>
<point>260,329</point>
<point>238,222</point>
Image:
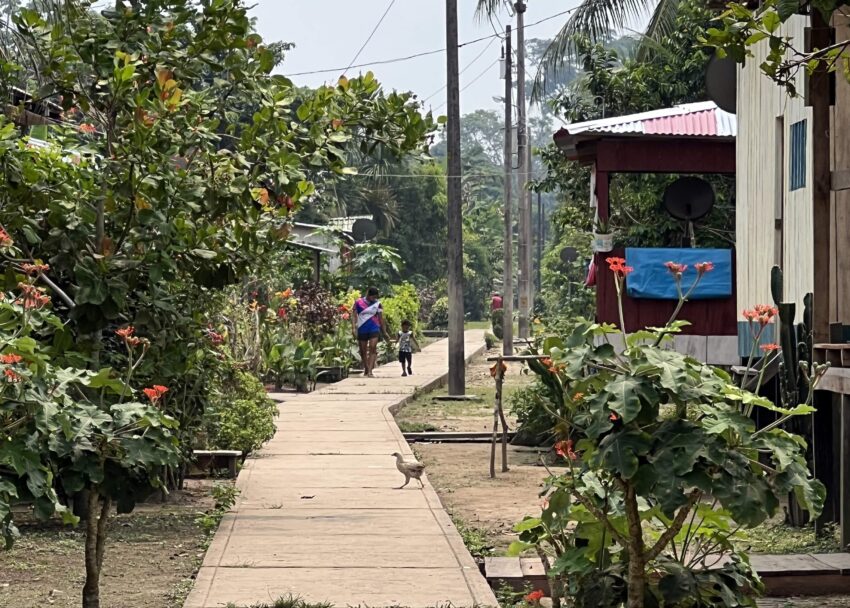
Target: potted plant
<point>335,357</point>
<point>603,238</point>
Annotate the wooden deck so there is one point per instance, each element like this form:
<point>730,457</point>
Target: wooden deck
<point>783,575</point>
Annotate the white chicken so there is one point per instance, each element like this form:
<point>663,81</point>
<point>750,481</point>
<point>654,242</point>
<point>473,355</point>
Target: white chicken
<point>411,469</point>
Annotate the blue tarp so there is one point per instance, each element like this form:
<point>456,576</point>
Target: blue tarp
<point>652,280</point>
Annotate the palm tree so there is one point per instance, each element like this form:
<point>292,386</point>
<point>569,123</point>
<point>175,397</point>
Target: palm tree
<point>594,20</point>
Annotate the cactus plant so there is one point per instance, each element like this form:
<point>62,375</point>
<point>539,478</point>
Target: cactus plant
<point>796,343</point>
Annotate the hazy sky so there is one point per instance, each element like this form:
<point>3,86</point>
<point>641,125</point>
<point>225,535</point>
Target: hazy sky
<point>328,34</point>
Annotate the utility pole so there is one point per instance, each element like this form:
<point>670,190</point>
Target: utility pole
<point>508,282</point>
<point>457,362</point>
<point>541,238</point>
<point>524,249</point>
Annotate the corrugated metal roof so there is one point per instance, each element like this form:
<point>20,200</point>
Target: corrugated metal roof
<point>703,119</point>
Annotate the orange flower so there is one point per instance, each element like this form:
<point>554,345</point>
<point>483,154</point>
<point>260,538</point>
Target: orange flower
<point>5,239</point>
<point>12,375</point>
<point>35,269</point>
<point>534,597</point>
<point>618,267</point>
<point>703,267</point>
<point>762,313</point>
<point>769,348</point>
<point>155,393</point>
<point>613,417</point>
<point>125,332</point>
<point>677,270</point>
<point>11,359</point>
<point>547,362</point>
<point>565,449</point>
<point>87,128</point>
<point>33,297</point>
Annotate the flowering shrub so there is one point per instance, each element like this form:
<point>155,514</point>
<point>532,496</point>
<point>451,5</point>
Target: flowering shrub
<point>77,430</point>
<point>664,466</point>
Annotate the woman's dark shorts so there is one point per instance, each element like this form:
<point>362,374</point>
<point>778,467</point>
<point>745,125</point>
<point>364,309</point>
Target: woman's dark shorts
<point>366,337</point>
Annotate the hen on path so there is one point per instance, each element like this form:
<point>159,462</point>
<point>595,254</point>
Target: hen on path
<point>411,469</point>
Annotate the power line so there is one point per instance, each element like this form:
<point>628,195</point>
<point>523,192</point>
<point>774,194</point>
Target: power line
<point>425,53</point>
<point>369,39</point>
<point>472,82</point>
<point>468,65</point>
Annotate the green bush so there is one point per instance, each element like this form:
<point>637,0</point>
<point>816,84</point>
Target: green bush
<point>439,318</point>
<point>402,304</point>
<point>531,407</point>
<point>240,416</point>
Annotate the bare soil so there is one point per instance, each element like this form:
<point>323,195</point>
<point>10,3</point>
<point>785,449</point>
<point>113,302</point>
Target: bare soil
<point>460,473</point>
<point>461,476</point>
<point>151,558</point>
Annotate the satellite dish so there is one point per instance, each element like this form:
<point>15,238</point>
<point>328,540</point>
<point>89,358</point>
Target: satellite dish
<point>364,230</point>
<point>721,83</point>
<point>689,198</point>
<point>569,255</point>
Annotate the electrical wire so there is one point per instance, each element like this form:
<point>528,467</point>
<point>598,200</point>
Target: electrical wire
<point>426,53</point>
<point>468,65</point>
<point>470,83</point>
<point>369,39</point>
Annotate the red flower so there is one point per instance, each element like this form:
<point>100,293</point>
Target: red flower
<point>618,267</point>
<point>155,393</point>
<point>281,313</point>
<point>613,417</point>
<point>534,597</point>
<point>769,348</point>
<point>11,359</point>
<point>346,316</point>
<point>5,239</point>
<point>547,362</point>
<point>125,332</point>
<point>703,267</point>
<point>12,375</point>
<point>677,270</point>
<point>565,449</point>
<point>88,128</point>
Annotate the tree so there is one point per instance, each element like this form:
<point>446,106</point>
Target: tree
<point>176,170</point>
<point>595,20</point>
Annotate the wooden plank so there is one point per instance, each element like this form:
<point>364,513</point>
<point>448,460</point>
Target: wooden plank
<point>789,565</point>
<point>838,561</point>
<point>672,155</point>
<point>824,461</point>
<point>840,180</point>
<point>841,198</point>
<point>836,380</point>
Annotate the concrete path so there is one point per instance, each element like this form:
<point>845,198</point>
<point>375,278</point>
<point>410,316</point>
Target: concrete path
<point>318,516</point>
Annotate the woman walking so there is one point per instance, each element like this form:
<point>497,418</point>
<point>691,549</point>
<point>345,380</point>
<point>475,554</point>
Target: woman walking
<point>368,325</point>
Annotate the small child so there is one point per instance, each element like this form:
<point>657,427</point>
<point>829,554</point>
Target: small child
<point>406,343</point>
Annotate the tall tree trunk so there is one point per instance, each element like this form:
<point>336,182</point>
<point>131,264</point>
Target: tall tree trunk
<point>91,590</point>
<point>637,565</point>
<point>96,534</point>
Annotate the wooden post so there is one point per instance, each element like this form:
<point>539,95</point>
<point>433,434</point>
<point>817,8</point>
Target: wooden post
<point>524,249</point>
<point>457,362</point>
<point>508,279</point>
<point>497,408</point>
<point>818,97</point>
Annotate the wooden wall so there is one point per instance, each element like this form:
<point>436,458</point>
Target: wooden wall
<point>840,267</point>
<point>773,224</point>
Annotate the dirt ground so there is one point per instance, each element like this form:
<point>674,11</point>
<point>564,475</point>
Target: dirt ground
<point>460,472</point>
<point>425,413</point>
<point>151,558</point>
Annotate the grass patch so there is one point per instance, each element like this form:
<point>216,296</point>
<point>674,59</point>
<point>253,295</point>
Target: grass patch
<point>778,538</point>
<point>406,426</point>
<point>288,602</point>
<point>475,540</point>
<point>477,325</point>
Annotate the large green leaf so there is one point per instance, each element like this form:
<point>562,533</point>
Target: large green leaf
<point>620,451</point>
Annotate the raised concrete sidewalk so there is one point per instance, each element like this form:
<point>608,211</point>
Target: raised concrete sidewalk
<point>318,516</point>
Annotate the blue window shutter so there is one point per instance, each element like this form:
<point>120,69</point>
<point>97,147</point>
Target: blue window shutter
<point>798,156</point>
